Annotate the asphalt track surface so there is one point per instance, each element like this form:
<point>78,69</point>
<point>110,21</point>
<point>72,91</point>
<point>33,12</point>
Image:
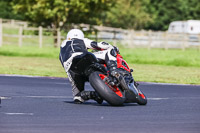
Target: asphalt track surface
<point>44,105</point>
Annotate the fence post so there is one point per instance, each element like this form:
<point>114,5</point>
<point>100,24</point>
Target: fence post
<point>96,35</point>
<point>131,39</point>
<point>183,41</point>
<point>114,39</point>
<point>1,33</point>
<point>150,39</point>
<point>58,37</point>
<point>40,36</point>
<point>186,40</point>
<point>20,36</point>
<point>166,40</point>
<point>12,22</point>
<point>199,42</point>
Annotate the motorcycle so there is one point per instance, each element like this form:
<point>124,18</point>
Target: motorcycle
<point>117,89</point>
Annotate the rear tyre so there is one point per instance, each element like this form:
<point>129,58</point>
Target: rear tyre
<point>114,98</point>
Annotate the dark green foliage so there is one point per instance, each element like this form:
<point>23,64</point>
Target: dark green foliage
<point>6,11</point>
<point>166,11</point>
<point>133,14</point>
<point>88,11</point>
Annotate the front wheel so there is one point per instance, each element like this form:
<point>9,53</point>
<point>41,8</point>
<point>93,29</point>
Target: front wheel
<point>141,99</point>
<point>135,95</point>
<point>113,95</point>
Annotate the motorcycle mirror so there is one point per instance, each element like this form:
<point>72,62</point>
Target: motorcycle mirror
<point>131,70</point>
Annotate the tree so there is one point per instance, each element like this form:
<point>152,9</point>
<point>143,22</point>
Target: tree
<point>89,11</point>
<point>55,13</point>
<point>43,12</point>
<point>166,11</point>
<point>134,14</point>
<point>6,10</point>
<point>129,14</point>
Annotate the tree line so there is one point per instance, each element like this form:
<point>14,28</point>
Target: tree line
<point>128,14</point>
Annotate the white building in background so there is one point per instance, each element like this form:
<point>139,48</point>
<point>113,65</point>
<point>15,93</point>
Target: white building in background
<point>189,26</point>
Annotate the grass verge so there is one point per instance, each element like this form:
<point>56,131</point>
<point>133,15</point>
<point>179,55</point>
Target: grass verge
<point>172,57</point>
<point>142,72</point>
<point>156,65</point>
<point>166,74</point>
<point>36,66</point>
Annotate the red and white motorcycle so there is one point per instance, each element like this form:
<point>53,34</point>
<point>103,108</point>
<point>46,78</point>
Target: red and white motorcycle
<point>117,89</point>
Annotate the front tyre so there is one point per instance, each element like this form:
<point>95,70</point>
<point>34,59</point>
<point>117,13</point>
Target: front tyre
<point>141,98</point>
<point>112,95</point>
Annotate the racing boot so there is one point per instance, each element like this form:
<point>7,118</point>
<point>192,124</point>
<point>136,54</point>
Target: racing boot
<point>113,70</point>
<point>96,97</point>
<point>112,67</point>
<point>86,95</point>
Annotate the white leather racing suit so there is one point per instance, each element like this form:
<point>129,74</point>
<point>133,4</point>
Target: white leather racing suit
<point>72,48</point>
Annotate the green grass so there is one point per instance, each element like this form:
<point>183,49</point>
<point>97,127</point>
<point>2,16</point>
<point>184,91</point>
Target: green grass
<point>10,30</point>
<point>156,65</point>
<point>40,66</point>
<point>36,66</point>
<point>30,38</point>
<point>166,74</point>
<point>172,57</point>
<point>29,51</point>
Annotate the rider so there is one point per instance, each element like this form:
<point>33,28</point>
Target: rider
<point>74,45</point>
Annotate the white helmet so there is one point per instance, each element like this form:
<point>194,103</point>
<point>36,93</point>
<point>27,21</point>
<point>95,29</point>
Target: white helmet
<point>75,33</point>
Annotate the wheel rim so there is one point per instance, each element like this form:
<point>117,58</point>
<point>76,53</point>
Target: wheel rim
<point>113,88</point>
<point>141,95</point>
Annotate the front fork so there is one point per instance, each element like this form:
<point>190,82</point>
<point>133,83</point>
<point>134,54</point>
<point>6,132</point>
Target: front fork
<point>120,80</point>
<point>130,89</point>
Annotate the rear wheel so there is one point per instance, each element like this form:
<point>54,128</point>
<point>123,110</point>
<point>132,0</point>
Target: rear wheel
<point>112,94</point>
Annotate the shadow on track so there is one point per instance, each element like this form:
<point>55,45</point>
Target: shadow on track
<point>103,104</point>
